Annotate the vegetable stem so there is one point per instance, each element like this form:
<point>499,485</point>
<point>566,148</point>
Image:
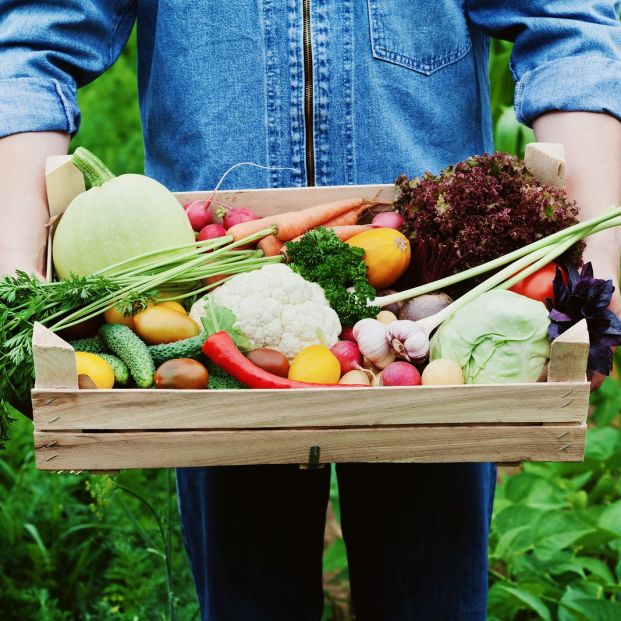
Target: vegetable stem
<point>93,169</point>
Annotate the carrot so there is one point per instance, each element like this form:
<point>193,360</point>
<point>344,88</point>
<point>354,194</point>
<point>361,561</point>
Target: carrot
<point>348,218</point>
<point>345,232</point>
<point>294,223</point>
<point>270,245</point>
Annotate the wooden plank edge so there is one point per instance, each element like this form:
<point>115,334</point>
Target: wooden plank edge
<point>75,451</point>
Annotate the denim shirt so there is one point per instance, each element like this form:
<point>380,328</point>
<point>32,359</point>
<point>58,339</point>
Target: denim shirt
<point>342,91</point>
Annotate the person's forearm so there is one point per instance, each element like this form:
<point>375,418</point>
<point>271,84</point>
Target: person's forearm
<point>592,144</point>
<point>23,203</point>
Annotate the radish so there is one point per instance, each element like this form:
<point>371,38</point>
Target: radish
<point>211,231</point>
<point>400,374</point>
<point>389,220</point>
<point>348,355</point>
<point>199,214</point>
<point>236,215</point>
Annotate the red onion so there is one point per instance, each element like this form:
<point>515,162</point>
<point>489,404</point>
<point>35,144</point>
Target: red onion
<point>237,215</point>
<point>211,231</point>
<point>199,214</point>
<point>348,355</point>
<point>389,220</point>
<point>348,334</point>
<point>400,374</point>
<point>395,307</point>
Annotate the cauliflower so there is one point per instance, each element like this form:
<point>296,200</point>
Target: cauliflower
<point>275,307</point>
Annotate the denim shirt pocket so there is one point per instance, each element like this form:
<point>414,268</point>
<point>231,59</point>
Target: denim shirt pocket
<point>422,35</point>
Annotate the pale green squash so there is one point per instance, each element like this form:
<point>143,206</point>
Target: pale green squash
<point>117,219</point>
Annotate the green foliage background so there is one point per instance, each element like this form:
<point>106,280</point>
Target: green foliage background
<point>75,546</point>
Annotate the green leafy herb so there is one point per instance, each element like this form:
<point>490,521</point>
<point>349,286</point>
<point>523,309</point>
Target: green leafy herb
<point>220,319</point>
<point>321,257</point>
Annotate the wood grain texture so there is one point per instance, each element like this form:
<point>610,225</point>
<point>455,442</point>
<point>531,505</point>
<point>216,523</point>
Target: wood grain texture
<point>237,409</point>
<point>63,183</point>
<point>101,451</point>
<point>568,355</point>
<point>266,202</point>
<point>54,360</point>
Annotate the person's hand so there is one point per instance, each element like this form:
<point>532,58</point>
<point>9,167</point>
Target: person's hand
<point>602,253</point>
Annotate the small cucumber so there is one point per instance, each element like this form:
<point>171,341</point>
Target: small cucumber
<point>122,342</point>
<point>185,348</point>
<point>121,372</point>
<point>91,345</point>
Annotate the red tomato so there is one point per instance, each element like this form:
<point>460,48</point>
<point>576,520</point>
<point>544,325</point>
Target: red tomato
<point>538,286</point>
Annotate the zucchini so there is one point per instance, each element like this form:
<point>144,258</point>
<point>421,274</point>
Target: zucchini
<point>185,348</point>
<point>121,372</point>
<point>91,345</point>
<point>122,342</point>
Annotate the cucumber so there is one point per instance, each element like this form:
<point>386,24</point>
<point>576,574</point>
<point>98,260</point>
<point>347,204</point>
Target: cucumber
<point>91,345</point>
<point>122,342</point>
<point>185,348</point>
<point>121,372</point>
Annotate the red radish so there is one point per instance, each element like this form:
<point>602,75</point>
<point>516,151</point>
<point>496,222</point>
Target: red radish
<point>389,220</point>
<point>199,214</point>
<point>400,374</point>
<point>348,355</point>
<point>211,231</point>
<point>236,215</point>
<point>348,334</point>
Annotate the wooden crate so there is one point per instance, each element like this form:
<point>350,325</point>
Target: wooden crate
<point>132,428</point>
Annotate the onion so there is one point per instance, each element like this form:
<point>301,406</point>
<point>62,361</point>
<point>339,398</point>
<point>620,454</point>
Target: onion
<point>348,334</point>
<point>211,231</point>
<point>400,374</point>
<point>348,355</point>
<point>424,306</point>
<point>355,377</point>
<point>199,214</point>
<point>389,220</point>
<point>386,317</point>
<point>395,307</point>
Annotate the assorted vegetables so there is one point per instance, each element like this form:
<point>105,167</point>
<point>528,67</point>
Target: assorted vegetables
<point>300,300</point>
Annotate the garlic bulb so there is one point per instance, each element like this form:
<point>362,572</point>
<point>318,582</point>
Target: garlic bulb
<point>370,335</point>
<point>408,340</point>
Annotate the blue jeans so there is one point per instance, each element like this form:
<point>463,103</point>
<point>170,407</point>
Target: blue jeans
<point>416,537</point>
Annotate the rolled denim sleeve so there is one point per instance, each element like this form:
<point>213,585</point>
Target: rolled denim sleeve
<point>566,54</point>
<point>47,50</point>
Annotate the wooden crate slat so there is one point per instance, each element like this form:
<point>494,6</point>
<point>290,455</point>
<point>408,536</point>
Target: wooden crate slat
<point>236,409</point>
<point>101,451</point>
<point>266,202</point>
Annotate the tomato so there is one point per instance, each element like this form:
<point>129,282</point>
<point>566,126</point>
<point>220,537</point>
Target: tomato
<point>114,315</point>
<point>162,324</point>
<point>315,364</point>
<point>183,373</point>
<point>96,368</point>
<point>270,360</point>
<point>538,286</point>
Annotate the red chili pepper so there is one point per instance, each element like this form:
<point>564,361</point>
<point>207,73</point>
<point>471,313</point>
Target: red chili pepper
<point>221,350</point>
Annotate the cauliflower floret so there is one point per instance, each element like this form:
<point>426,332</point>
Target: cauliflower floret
<point>275,307</point>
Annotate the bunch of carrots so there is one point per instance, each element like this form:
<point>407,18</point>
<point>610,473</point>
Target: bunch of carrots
<point>339,216</point>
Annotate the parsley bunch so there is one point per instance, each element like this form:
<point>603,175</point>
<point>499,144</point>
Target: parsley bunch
<point>321,257</point>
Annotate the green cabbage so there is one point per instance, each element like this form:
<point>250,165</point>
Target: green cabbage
<point>500,337</point>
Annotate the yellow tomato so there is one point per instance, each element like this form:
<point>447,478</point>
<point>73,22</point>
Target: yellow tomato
<point>174,305</point>
<point>315,364</point>
<point>114,315</point>
<point>161,324</point>
<point>96,368</point>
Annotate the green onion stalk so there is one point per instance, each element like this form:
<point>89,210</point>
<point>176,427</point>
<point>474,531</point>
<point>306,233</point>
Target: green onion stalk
<point>202,260</point>
<point>518,265</point>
